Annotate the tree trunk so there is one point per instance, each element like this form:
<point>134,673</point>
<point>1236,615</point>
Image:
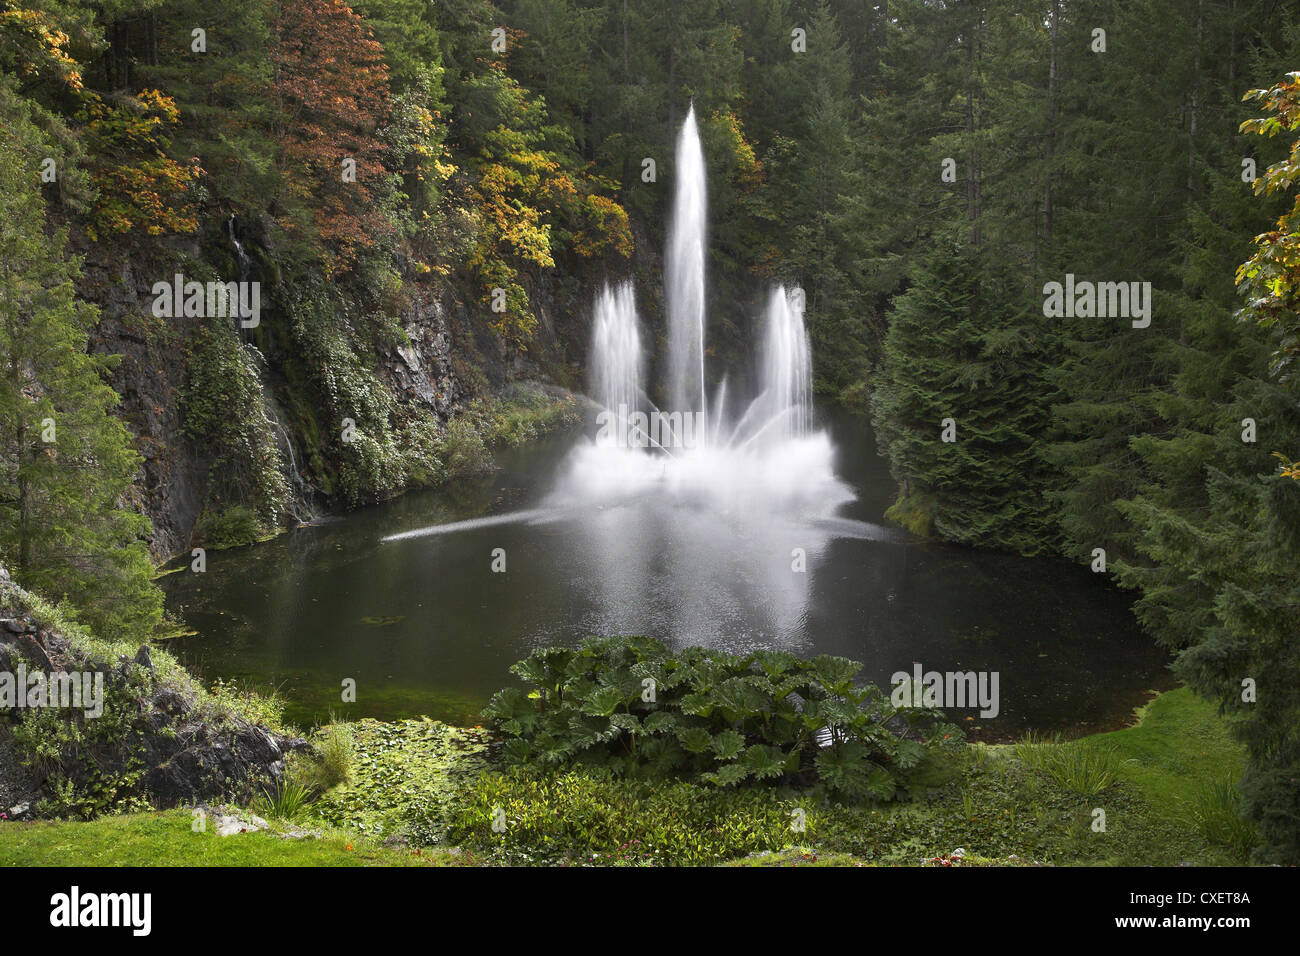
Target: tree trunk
<point>24,498</point>
<point>1051,122</point>
<point>1196,102</point>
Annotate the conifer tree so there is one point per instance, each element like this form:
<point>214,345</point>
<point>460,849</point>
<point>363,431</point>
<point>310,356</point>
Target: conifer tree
<point>965,359</point>
<point>66,463</point>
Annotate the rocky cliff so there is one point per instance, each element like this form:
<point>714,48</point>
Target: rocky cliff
<point>143,732</point>
<point>435,357</point>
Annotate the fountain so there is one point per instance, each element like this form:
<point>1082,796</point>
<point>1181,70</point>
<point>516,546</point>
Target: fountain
<point>616,361</point>
<point>690,520</point>
<point>768,459</point>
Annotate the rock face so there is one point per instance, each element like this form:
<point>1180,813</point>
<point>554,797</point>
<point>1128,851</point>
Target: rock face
<point>423,372</point>
<point>160,738</point>
<point>172,483</point>
<point>172,486</point>
<point>451,356</point>
<point>204,762</point>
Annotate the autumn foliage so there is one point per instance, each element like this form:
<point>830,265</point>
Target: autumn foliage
<point>139,185</point>
<point>37,45</point>
<point>1270,279</point>
<point>527,204</point>
<point>331,87</point>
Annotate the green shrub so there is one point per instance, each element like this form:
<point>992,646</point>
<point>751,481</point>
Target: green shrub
<point>1079,767</point>
<point>464,451</point>
<point>232,702</point>
<point>420,439</point>
<point>334,744</point>
<point>232,528</point>
<point>1215,811</point>
<point>627,705</point>
<point>525,413</point>
<point>915,512</point>
<point>585,817</point>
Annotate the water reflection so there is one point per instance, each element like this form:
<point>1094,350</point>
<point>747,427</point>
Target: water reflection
<point>425,626</point>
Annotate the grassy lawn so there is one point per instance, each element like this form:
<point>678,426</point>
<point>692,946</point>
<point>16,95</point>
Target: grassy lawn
<point>1179,745</point>
<point>798,856</point>
<point>151,839</point>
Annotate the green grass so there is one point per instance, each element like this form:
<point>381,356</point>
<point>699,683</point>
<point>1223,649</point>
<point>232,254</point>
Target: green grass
<point>151,839</point>
<point>813,856</point>
<point>334,742</point>
<point>1179,745</point>
<point>1079,766</point>
<point>1035,801</point>
<point>1179,761</point>
<point>1216,813</point>
<point>798,856</point>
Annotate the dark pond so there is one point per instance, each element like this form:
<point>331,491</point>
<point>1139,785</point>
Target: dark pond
<point>424,625</point>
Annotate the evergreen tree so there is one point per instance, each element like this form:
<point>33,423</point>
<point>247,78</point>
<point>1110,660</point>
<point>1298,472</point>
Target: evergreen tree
<point>816,172</point>
<point>965,358</point>
<point>66,463</point>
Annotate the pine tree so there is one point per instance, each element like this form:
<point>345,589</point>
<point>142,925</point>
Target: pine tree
<point>66,463</point>
<point>819,174</point>
<point>966,354</point>
<point>1215,524</point>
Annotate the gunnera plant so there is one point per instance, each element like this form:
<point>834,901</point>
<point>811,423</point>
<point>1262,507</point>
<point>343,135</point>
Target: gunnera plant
<point>628,705</point>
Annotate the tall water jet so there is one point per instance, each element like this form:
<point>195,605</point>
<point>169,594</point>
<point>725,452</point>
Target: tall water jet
<point>684,274</point>
<point>787,368</point>
<point>616,353</point>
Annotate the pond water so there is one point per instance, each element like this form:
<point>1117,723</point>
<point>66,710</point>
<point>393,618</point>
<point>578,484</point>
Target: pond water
<point>424,625</point>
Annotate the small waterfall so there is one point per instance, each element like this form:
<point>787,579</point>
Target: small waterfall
<point>245,269</point>
<point>684,274</point>
<point>302,492</point>
<point>245,265</point>
<point>300,503</point>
